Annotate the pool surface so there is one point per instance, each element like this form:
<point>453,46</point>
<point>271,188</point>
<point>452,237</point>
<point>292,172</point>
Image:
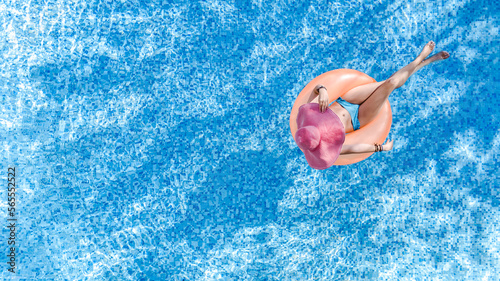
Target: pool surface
<point>151,141</point>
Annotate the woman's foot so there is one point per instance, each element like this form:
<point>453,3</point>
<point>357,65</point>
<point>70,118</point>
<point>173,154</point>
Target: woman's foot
<point>437,57</point>
<point>400,77</point>
<point>426,51</point>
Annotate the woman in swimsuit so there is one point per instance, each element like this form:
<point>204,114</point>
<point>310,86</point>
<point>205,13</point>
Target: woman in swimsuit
<point>361,105</point>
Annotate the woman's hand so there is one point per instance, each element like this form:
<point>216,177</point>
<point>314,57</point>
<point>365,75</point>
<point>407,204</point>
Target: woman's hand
<point>323,97</point>
<point>323,100</point>
<point>388,145</point>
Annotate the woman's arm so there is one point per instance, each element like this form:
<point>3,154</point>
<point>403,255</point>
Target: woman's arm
<point>322,98</point>
<point>364,148</point>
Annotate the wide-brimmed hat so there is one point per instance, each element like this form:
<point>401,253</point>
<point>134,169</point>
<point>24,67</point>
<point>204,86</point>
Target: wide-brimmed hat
<point>320,135</point>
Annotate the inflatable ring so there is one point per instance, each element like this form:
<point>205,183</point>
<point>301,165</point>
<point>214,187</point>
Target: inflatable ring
<point>338,82</point>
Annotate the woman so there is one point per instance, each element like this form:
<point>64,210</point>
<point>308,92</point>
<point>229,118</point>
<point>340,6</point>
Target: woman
<point>361,105</point>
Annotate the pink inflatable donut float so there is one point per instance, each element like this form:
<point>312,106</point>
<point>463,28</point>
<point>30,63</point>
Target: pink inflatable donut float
<point>338,82</point>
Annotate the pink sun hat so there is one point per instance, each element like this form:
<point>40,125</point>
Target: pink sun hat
<point>320,135</point>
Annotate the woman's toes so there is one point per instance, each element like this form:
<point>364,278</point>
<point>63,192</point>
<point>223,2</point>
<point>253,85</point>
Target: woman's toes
<point>445,55</point>
<point>431,45</point>
<point>427,49</point>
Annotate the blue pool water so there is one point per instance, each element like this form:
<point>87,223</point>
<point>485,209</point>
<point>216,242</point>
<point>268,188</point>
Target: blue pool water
<point>151,141</point>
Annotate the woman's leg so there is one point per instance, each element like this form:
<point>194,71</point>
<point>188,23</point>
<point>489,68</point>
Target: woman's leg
<point>359,94</point>
<point>370,107</point>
